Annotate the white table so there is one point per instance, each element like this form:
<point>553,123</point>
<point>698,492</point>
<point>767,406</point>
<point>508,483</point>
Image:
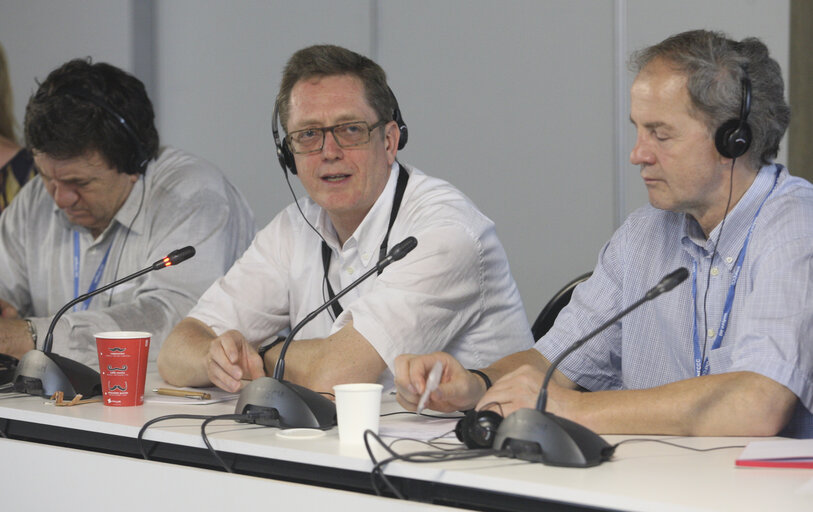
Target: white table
<point>641,476</point>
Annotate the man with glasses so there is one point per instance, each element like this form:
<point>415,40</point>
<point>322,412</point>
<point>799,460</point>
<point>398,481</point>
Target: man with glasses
<point>454,292</point>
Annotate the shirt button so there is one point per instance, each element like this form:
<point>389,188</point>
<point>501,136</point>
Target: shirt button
<point>365,255</point>
<point>349,270</point>
<point>715,271</point>
<point>711,333</point>
<point>729,259</point>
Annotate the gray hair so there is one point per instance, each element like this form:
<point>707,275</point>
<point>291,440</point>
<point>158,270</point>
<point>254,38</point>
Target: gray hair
<point>715,66</point>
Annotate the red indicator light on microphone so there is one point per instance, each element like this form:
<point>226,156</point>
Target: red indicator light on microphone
<point>167,261</point>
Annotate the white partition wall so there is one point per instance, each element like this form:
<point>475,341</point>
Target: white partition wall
<point>521,103</point>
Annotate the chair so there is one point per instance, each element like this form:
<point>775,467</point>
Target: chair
<point>551,310</point>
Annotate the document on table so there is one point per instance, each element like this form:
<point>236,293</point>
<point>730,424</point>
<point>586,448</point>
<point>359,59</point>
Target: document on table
<point>414,426</point>
<point>217,395</point>
<point>786,453</point>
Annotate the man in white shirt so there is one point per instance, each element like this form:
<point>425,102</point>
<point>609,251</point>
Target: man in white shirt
<point>108,202</point>
<point>453,292</point>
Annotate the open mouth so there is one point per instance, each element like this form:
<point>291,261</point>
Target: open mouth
<point>335,177</point>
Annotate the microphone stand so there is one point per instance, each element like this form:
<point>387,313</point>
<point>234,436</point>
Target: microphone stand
<point>291,405</point>
<point>539,436</point>
<point>43,373</point>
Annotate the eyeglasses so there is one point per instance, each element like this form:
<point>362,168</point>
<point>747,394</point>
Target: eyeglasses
<point>346,135</point>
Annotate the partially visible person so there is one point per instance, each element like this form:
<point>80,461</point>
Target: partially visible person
<point>110,201</point>
<point>16,163</point>
<point>454,291</point>
<point>729,351</point>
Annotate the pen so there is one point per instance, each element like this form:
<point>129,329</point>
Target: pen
<point>432,383</point>
<point>197,395</point>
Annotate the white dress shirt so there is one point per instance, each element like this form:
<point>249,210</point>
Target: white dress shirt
<point>180,201</point>
<point>454,292</point>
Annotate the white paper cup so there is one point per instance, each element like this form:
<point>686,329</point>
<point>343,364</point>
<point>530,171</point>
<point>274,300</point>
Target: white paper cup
<point>357,409</point>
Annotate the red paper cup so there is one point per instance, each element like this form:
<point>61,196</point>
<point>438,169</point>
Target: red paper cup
<point>123,366</point>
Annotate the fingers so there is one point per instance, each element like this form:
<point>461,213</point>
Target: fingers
<point>407,393</point>
<point>516,390</point>
<point>229,361</point>
<point>458,389</point>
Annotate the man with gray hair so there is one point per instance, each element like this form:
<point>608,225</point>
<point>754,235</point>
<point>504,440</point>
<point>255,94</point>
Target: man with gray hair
<point>726,353</point>
<point>453,292</point>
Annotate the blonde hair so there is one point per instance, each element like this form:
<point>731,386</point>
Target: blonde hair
<point>7,122</point>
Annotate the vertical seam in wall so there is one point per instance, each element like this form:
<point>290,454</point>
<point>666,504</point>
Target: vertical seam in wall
<point>374,26</point>
<point>621,108</point>
<point>143,49</point>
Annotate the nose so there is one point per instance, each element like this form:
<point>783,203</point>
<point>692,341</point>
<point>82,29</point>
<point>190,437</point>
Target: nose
<point>641,154</point>
<point>331,149</point>
<point>64,196</point>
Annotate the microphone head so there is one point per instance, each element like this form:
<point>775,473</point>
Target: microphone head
<point>175,257</point>
<point>674,278</point>
<point>669,281</point>
<point>403,248</point>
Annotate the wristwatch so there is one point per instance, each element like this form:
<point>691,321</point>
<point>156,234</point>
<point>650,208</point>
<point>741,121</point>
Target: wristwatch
<point>32,330</point>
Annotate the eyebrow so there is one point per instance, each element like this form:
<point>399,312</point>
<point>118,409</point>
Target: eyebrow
<point>344,118</point>
<point>652,125</point>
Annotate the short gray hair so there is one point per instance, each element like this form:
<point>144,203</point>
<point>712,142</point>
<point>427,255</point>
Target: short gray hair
<point>715,66</point>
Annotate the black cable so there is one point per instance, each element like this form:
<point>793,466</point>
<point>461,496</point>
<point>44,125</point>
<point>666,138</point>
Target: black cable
<point>250,417</point>
<point>644,439</point>
<point>127,235</point>
<point>417,457</point>
<point>144,428</point>
<point>296,202</point>
<point>206,438</point>
<point>422,414</point>
<point>711,264</point>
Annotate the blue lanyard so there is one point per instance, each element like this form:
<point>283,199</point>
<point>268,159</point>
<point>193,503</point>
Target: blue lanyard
<point>701,364</point>
<point>94,283</point>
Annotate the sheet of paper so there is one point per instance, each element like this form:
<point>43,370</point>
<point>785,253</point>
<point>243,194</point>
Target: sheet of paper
<point>417,427</point>
<point>783,453</point>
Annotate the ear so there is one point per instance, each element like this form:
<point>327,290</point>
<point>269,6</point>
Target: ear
<point>391,136</point>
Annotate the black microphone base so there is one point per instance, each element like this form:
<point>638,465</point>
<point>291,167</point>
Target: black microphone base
<point>285,405</point>
<point>543,437</point>
<point>44,374</point>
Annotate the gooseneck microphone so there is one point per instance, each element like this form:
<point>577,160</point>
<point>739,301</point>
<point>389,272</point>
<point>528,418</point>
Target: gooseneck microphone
<point>292,405</point>
<point>540,436</point>
<point>43,372</point>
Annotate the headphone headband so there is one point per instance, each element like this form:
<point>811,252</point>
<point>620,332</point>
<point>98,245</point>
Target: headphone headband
<point>141,156</point>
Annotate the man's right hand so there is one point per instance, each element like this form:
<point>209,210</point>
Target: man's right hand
<point>459,389</point>
<point>231,360</point>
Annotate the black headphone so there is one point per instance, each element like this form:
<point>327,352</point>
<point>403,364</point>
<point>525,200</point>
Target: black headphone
<point>286,156</point>
<point>140,157</point>
<point>733,138</point>
<point>478,428</point>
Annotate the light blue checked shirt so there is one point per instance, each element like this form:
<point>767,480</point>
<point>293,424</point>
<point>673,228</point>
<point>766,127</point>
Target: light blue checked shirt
<point>771,324</point>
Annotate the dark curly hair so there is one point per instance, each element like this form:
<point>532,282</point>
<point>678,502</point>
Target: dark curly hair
<point>69,116</point>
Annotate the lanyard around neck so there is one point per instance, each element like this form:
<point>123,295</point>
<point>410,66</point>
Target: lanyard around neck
<point>400,187</point>
<point>94,283</point>
<point>701,361</point>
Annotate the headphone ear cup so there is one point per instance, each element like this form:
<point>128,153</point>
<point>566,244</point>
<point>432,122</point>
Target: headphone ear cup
<point>286,157</point>
<point>733,138</point>
<point>402,140</point>
<point>478,428</point>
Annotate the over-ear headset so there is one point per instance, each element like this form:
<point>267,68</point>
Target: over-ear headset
<point>733,138</point>
<point>286,156</point>
<point>140,158</point>
<point>478,428</point>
